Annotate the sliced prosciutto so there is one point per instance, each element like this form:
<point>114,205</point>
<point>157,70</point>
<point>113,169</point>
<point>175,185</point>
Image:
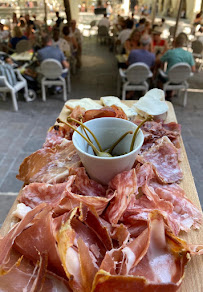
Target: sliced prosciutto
<point>154,130</point>
<point>184,212</point>
<point>40,238</point>
<point>170,199</point>
<point>22,275</point>
<point>82,247</point>
<point>7,241</point>
<point>154,261</point>
<point>50,165</point>
<point>125,186</point>
<point>164,158</point>
<point>65,196</point>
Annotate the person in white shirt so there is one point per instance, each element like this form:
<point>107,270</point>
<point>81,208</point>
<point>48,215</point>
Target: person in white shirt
<point>61,43</point>
<point>125,33</point>
<point>104,21</point>
<point>4,34</point>
<point>75,32</point>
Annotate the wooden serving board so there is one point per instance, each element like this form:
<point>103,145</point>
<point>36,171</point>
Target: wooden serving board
<point>193,281</point>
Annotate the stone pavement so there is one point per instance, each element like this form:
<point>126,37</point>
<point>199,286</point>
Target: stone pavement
<point>23,132</point>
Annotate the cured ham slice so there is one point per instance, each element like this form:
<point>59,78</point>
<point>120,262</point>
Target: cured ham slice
<point>81,248</point>
<point>83,185</point>
<point>7,241</point>
<point>154,261</point>
<point>125,186</point>
<point>112,111</point>
<point>50,165</point>
<point>64,197</point>
<point>154,130</point>
<point>36,193</point>
<point>164,158</point>
<point>184,212</point>
<point>169,199</point>
<point>74,197</point>
<point>39,238</point>
<point>28,277</point>
<point>55,135</point>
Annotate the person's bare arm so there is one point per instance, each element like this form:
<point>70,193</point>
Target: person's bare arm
<point>193,68</point>
<point>65,64</point>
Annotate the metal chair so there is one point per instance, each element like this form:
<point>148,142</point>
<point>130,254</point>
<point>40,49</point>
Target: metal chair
<point>134,78</point>
<point>177,79</point>
<point>197,50</point>
<point>103,34</point>
<point>92,24</point>
<point>5,87</point>
<point>23,46</point>
<point>52,70</point>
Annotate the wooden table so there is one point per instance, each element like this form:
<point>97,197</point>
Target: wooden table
<point>193,281</point>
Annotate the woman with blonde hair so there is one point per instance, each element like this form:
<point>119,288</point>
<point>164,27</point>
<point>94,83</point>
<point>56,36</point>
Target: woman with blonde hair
<point>133,42</point>
<point>17,36</point>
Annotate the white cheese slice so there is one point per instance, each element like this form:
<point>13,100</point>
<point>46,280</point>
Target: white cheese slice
<point>21,210</point>
<point>156,93</point>
<point>86,103</point>
<point>151,105</point>
<point>110,100</point>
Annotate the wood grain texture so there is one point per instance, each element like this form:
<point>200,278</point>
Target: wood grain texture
<point>193,281</point>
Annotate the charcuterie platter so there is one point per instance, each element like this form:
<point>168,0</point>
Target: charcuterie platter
<point>118,231</point>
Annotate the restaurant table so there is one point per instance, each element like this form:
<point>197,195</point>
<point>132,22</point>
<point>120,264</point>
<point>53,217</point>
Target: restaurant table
<point>193,281</point>
<point>122,59</point>
<point>24,57</point>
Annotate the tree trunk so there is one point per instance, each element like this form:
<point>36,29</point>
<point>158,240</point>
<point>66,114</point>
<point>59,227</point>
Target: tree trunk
<point>67,10</point>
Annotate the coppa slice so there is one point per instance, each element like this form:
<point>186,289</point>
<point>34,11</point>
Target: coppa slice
<point>164,158</point>
<point>49,165</point>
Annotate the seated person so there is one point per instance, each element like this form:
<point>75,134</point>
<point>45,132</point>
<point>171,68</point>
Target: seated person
<point>172,57</point>
<point>141,24</point>
<point>104,21</point>
<point>142,55</point>
<point>178,55</point>
<point>126,32</point>
<point>17,36</point>
<point>4,34</point>
<point>48,51</point>
<point>30,33</point>
<point>75,32</point>
<point>159,45</point>
<point>133,42</point>
<point>70,39</point>
<point>61,43</point>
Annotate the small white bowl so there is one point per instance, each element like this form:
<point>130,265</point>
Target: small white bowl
<point>107,131</point>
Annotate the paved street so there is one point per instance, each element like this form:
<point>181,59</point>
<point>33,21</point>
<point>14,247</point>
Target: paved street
<point>23,132</point>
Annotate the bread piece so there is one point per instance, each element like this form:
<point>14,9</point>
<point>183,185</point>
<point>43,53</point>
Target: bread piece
<point>86,103</point>
<point>110,100</point>
<point>150,105</point>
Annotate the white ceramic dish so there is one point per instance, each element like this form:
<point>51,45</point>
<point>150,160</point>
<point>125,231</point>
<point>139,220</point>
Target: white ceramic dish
<point>107,131</point>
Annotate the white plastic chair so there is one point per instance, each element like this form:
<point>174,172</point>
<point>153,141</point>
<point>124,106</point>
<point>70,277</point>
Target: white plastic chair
<point>197,51</point>
<point>52,70</point>
<point>177,79</point>
<point>134,78</point>
<point>6,87</point>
